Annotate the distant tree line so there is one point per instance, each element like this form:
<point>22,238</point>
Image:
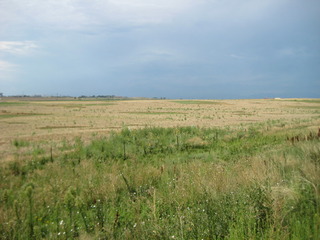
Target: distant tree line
<point>29,96</point>
<point>100,96</point>
<point>79,97</point>
<point>61,96</point>
<point>162,98</point>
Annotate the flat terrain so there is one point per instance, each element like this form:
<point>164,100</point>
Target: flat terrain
<point>51,120</point>
<point>159,169</point>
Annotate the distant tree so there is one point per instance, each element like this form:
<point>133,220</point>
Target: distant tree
<point>1,94</point>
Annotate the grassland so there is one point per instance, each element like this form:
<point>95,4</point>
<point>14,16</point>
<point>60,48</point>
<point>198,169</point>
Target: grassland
<point>234,169</point>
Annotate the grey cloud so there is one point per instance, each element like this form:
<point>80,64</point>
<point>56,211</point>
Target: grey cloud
<point>182,48</point>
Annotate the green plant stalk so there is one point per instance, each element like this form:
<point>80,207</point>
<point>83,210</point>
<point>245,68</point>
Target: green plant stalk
<point>84,219</point>
<point>124,151</point>
<point>30,222</point>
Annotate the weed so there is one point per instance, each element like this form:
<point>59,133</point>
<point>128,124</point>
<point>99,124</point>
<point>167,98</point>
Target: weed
<point>165,183</point>
<point>20,143</point>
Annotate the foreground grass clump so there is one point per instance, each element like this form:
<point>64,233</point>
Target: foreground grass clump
<point>166,183</point>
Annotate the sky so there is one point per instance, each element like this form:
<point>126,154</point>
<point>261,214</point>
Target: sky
<point>197,49</point>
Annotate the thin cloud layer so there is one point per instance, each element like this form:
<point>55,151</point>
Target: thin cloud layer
<point>17,47</point>
<point>75,14</point>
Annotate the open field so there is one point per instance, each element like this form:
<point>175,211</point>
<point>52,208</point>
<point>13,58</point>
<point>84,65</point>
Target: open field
<point>160,169</point>
<point>53,121</point>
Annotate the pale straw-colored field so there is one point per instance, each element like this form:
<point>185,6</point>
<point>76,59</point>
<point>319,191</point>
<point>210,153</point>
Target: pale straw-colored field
<point>43,122</point>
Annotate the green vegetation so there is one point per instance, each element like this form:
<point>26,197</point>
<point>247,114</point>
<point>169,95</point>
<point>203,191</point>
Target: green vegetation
<point>165,183</point>
<point>12,103</point>
<point>64,126</point>
<point>306,107</point>
<point>74,105</point>
<point>6,114</point>
<point>20,143</point>
<point>16,123</point>
<point>306,100</point>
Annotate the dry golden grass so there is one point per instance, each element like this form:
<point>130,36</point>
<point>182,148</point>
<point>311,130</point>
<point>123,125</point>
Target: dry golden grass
<point>48,122</point>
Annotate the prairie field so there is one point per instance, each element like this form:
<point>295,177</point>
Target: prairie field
<point>159,169</point>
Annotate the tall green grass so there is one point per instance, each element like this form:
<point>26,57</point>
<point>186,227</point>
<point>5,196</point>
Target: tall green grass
<point>165,183</point>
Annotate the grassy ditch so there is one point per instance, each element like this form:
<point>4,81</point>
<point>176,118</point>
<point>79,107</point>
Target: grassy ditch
<point>165,183</point>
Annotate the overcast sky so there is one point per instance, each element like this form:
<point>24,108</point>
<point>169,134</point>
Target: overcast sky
<point>161,48</point>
